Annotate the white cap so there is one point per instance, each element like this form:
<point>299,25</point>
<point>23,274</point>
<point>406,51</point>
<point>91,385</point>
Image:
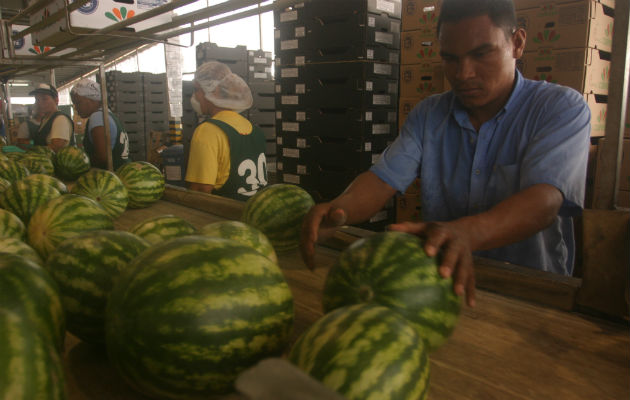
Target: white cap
<point>87,88</point>
<point>222,87</point>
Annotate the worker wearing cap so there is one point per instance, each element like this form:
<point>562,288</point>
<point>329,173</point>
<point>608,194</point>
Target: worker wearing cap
<point>86,97</point>
<point>227,152</point>
<point>56,129</point>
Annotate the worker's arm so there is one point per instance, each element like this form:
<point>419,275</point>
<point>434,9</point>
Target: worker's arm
<point>57,144</point>
<point>60,133</point>
<point>100,147</point>
<point>516,218</point>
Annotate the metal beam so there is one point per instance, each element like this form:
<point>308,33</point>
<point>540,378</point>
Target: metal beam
<point>609,160</point>
<point>34,7</point>
<point>50,19</point>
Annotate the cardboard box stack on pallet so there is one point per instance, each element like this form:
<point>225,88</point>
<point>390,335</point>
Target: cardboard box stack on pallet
<point>337,70</point>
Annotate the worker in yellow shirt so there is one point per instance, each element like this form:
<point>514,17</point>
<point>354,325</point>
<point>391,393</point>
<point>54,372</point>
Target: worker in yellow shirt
<point>227,152</point>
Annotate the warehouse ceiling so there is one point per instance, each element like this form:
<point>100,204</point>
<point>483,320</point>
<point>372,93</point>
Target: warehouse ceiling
<point>73,51</point>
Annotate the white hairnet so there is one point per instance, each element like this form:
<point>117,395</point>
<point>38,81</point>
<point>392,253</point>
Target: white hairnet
<point>87,88</point>
<point>222,87</point>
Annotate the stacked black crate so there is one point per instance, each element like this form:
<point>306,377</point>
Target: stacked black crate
<point>156,107</point>
<point>336,93</point>
<point>125,97</point>
<point>189,118</point>
<point>262,112</point>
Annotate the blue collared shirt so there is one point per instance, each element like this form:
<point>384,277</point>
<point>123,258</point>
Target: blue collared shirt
<point>541,135</point>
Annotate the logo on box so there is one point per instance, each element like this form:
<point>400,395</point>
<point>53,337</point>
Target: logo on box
<point>546,36</point>
<point>89,7</point>
<point>119,14</point>
<point>426,53</point>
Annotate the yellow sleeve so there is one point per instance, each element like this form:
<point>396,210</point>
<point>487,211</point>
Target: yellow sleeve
<point>209,158</point>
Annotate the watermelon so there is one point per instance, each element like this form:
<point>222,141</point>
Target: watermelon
<point>392,269</point>
<point>144,183</point>
<point>242,233</point>
<point>12,171</point>
<point>365,351</point>
<point>23,197</point>
<point>187,316</point>
<point>277,211</point>
<point>51,180</point>
<point>11,226</point>
<point>62,218</point>
<point>37,163</point>
<point>18,247</point>
<point>26,288</point>
<point>4,184</point>
<point>85,268</point>
<point>71,162</point>
<point>42,150</point>
<point>163,227</point>
<point>105,188</point>
<point>30,367</point>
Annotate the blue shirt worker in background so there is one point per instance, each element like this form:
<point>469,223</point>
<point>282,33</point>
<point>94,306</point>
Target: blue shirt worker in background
<point>501,159</point>
<point>86,97</point>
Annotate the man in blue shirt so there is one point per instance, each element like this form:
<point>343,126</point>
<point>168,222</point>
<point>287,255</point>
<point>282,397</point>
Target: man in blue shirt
<point>501,159</point>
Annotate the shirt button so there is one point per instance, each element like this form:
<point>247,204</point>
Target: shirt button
<point>477,172</point>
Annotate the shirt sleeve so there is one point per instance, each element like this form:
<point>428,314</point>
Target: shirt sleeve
<point>96,120</point>
<point>61,129</point>
<point>206,162</point>
<point>398,165</point>
<point>558,152</point>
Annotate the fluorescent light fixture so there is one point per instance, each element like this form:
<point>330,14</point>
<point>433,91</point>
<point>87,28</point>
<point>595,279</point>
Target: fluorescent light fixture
<point>22,100</point>
<point>18,83</point>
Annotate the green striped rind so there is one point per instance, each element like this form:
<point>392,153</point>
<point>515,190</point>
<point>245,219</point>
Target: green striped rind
<point>144,183</point>
<point>71,162</point>
<point>18,247</point>
<point>85,268</point>
<point>12,171</point>
<point>62,218</point>
<point>11,226</point>
<point>391,269</point>
<point>38,163</point>
<point>50,180</point>
<point>365,351</point>
<point>42,150</point>
<point>105,188</point>
<point>30,367</point>
<point>190,314</point>
<point>242,233</point>
<point>26,288</point>
<point>14,156</point>
<point>24,197</point>
<point>4,184</point>
<point>163,227</point>
<point>277,211</point>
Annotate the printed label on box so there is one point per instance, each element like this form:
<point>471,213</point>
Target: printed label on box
<point>291,126</point>
<point>292,100</point>
<point>367,146</point>
<point>279,166</point>
<point>370,54</point>
<point>300,116</point>
<point>300,60</point>
<point>260,75</point>
<point>291,178</point>
<point>289,44</point>
<point>260,60</point>
<point>291,153</point>
<point>382,69</point>
<point>173,172</point>
<point>384,5</point>
<point>368,115</point>
<point>289,73</point>
<point>383,37</point>
<point>380,129</point>
<point>369,86</point>
<point>289,16</point>
<point>300,31</point>
<point>278,114</point>
<point>381,99</point>
<point>301,143</point>
<point>301,170</point>
<point>300,88</point>
<point>279,140</point>
<point>372,22</point>
<point>375,158</point>
<point>278,88</point>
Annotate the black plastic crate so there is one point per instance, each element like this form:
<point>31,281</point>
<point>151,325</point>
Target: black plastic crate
<point>335,52</point>
<point>301,11</point>
<point>212,51</point>
<point>366,70</point>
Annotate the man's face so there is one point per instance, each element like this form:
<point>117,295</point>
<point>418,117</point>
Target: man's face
<point>479,61</point>
<point>45,103</point>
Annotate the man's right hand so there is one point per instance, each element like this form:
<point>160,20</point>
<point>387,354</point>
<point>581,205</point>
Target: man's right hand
<point>319,223</point>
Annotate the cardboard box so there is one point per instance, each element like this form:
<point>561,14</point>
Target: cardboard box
<point>586,70</point>
<point>420,14</point>
<point>421,80</point>
<point>568,25</point>
<point>408,207</point>
<point>598,114</point>
<point>624,173</point>
<point>405,105</point>
<point>419,47</point>
<point>92,16</point>
<point>25,47</point>
<point>524,4</point>
<point>623,198</point>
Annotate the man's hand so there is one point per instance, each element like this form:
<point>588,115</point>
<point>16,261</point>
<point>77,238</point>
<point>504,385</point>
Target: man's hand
<point>456,256</point>
<point>319,223</point>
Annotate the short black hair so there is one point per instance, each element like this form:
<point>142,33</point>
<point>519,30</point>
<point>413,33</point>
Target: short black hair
<point>501,12</point>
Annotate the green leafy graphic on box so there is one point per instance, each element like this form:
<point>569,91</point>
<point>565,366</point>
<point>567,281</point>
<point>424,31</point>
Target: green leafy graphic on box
<point>39,49</point>
<point>426,87</point>
<point>601,117</point>
<point>545,77</point>
<point>546,36</point>
<point>428,18</point>
<point>119,14</point>
<point>605,74</point>
<point>426,53</point>
<point>544,54</point>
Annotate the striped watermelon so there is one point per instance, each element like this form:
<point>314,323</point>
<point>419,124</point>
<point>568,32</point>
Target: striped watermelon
<point>62,218</point>
<point>85,269</point>
<point>12,171</point>
<point>51,180</point>
<point>391,269</point>
<point>37,163</point>
<point>277,211</point>
<point>144,183</point>
<point>242,233</point>
<point>11,226</point>
<point>365,351</point>
<point>163,227</point>
<point>71,162</point>
<point>14,155</point>
<point>26,288</point>
<point>30,367</point>
<point>4,184</point>
<point>24,197</point>
<point>18,247</point>
<point>42,150</point>
<point>105,188</point>
<point>189,315</point>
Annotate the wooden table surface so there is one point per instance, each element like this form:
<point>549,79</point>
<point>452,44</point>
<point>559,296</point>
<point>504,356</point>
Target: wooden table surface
<point>502,349</point>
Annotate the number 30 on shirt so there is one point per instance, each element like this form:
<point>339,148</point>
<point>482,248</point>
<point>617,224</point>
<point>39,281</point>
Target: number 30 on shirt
<point>255,175</point>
